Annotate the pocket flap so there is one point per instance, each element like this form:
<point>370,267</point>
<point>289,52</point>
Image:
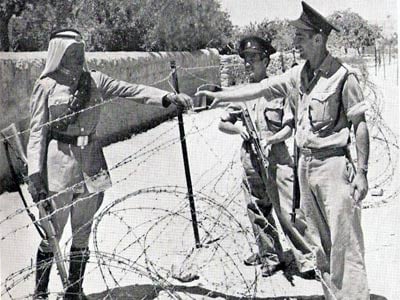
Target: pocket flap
<point>322,96</point>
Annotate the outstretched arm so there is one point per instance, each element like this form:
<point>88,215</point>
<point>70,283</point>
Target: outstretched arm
<point>139,93</point>
<point>270,88</point>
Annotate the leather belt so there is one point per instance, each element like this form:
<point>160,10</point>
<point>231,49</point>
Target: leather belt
<point>79,141</point>
<point>323,152</point>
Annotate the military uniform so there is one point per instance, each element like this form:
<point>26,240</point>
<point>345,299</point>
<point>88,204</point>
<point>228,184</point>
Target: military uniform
<point>330,101</point>
<point>73,170</point>
<point>322,114</point>
<point>260,199</point>
<point>276,193</point>
<point>63,151</point>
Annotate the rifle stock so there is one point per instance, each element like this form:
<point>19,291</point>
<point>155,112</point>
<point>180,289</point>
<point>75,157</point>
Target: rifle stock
<point>45,209</point>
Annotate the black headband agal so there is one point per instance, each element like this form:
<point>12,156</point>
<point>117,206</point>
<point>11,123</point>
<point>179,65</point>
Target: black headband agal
<point>59,34</point>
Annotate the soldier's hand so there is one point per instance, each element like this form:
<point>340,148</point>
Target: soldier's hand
<point>244,134</point>
<point>36,188</point>
<point>266,139</point>
<point>212,95</point>
<point>181,100</point>
<point>359,187</point>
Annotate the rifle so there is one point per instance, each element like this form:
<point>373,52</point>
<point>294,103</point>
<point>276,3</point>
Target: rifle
<point>46,228</point>
<point>261,158</point>
<point>263,164</point>
<point>296,186</point>
<point>46,208</point>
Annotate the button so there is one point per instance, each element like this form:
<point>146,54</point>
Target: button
<point>82,129</point>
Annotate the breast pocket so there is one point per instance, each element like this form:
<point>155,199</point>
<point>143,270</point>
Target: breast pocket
<point>323,108</point>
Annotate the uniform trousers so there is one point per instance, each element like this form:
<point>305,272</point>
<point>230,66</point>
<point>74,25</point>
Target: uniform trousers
<point>333,225</point>
<point>83,208</point>
<point>277,195</point>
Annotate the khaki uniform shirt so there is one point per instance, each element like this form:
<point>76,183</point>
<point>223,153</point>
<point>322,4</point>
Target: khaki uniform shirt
<point>325,106</point>
<point>65,165</point>
<point>268,119</point>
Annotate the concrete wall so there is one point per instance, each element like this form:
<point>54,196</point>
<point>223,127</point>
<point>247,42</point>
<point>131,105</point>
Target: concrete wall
<point>19,71</point>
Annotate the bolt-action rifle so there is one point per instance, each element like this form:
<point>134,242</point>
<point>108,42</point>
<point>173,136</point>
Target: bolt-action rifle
<point>263,165</point>
<point>13,148</point>
<point>254,140</point>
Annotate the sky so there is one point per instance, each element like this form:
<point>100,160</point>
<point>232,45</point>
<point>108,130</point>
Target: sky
<point>243,12</point>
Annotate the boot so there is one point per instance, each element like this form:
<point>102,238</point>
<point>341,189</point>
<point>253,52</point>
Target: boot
<point>44,262</point>
<point>77,265</point>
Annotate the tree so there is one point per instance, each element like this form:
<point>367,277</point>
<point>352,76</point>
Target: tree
<point>186,25</point>
<point>279,32</point>
<point>355,31</point>
<point>8,8</point>
<point>126,25</point>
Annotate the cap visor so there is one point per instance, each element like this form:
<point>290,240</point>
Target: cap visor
<point>249,50</point>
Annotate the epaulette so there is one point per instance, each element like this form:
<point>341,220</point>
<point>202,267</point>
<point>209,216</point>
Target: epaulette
<point>352,70</point>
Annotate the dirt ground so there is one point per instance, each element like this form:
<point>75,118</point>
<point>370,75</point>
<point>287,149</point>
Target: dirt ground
<point>142,234</point>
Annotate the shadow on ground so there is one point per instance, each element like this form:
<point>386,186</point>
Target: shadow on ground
<point>148,291</point>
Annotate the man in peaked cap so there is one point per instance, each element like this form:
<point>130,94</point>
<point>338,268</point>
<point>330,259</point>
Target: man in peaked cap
<point>66,164</point>
<point>329,106</point>
<point>312,20</point>
<point>262,197</point>
<point>255,44</point>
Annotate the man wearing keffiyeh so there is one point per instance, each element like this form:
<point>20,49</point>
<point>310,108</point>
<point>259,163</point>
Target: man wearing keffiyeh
<point>65,161</point>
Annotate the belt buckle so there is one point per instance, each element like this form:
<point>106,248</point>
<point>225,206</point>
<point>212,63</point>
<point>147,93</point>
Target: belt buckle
<point>82,141</point>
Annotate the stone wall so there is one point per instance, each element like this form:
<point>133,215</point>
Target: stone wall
<point>19,71</point>
<point>233,73</point>
<point>120,118</point>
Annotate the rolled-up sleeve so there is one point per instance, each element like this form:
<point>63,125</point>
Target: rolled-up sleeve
<point>289,109</point>
<point>37,144</point>
<point>354,104</point>
<point>111,88</point>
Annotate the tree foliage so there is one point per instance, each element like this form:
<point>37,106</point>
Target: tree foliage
<point>187,25</point>
<point>125,25</point>
<point>279,32</point>
<point>8,9</point>
<point>355,33</point>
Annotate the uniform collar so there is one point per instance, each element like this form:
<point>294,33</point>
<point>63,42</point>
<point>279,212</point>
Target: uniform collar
<point>326,65</point>
<point>324,68</point>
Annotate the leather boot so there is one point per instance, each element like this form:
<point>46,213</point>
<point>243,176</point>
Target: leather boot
<point>77,265</point>
<point>44,262</point>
